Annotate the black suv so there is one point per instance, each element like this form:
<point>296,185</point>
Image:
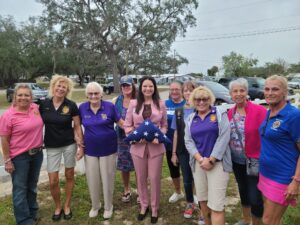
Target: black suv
<point>255,86</point>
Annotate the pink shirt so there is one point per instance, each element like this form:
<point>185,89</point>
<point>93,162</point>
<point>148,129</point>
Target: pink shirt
<point>24,128</point>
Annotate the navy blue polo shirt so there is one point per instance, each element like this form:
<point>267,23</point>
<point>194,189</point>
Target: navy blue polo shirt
<point>279,153</point>
<point>100,138</point>
<point>59,131</point>
<point>205,132</point>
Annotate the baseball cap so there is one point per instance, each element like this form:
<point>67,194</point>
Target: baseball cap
<point>126,80</point>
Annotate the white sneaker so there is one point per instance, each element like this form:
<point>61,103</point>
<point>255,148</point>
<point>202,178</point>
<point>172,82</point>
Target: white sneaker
<point>94,212</point>
<point>175,197</point>
<point>108,213</point>
<point>201,221</point>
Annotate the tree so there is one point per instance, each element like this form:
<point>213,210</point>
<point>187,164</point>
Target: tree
<point>11,60</point>
<point>294,68</point>
<point>212,71</point>
<point>126,32</point>
<point>237,65</point>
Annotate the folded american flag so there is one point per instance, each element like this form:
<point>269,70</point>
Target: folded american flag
<point>148,131</point>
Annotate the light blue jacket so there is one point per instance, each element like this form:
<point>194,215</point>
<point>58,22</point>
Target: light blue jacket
<point>221,150</point>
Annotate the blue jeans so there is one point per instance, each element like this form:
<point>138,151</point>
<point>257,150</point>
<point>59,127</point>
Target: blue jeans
<point>187,175</point>
<point>24,181</point>
<point>249,193</point>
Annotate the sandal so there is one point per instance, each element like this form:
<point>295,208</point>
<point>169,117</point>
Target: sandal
<point>126,197</point>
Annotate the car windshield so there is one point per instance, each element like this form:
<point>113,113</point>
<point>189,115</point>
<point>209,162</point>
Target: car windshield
<point>295,80</point>
<point>215,87</point>
<point>261,82</point>
<point>36,87</point>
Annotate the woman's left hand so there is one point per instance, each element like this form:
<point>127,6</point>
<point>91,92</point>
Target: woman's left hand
<point>79,153</point>
<point>206,165</point>
<point>292,191</point>
<point>155,141</point>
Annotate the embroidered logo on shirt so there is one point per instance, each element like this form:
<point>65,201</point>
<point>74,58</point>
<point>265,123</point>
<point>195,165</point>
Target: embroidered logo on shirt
<point>65,110</point>
<point>104,116</point>
<point>213,118</point>
<point>276,124</point>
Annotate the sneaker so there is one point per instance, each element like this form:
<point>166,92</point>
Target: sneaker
<point>201,221</point>
<point>126,197</point>
<point>108,213</point>
<point>175,197</point>
<point>94,212</point>
<point>188,212</point>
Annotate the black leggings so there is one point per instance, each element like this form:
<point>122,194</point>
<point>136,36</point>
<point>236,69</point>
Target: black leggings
<point>174,170</point>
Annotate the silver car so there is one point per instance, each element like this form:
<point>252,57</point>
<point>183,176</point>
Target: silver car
<point>221,93</point>
<point>38,93</point>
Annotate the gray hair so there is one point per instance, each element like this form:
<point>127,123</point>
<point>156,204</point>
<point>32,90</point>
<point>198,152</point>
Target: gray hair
<point>240,81</point>
<point>93,84</point>
<point>22,86</point>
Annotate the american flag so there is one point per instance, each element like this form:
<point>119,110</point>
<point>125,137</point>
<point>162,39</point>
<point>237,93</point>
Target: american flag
<point>148,131</point>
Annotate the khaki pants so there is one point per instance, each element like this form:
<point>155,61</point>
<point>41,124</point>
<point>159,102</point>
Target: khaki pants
<point>100,174</point>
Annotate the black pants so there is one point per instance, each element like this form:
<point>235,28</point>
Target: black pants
<point>249,193</point>
<point>174,170</point>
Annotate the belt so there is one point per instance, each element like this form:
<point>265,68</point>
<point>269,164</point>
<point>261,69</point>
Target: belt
<point>34,151</point>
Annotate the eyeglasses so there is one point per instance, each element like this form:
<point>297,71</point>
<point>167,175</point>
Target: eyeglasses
<point>175,90</point>
<point>93,93</point>
<point>198,100</point>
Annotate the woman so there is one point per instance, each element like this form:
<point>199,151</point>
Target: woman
<point>100,141</point>
<point>179,154</point>
<point>245,119</point>
<point>21,131</point>
<point>175,101</point>
<point>58,114</point>
<point>147,156</point>
<point>206,139</point>
<point>279,172</point>
<point>124,161</point>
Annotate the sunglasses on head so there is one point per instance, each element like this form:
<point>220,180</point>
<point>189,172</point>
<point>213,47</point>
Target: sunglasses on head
<point>204,100</point>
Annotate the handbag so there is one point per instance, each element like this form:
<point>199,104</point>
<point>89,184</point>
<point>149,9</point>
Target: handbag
<point>252,164</point>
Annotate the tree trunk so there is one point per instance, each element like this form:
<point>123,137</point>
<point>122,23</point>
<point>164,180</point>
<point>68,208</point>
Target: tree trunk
<point>115,71</point>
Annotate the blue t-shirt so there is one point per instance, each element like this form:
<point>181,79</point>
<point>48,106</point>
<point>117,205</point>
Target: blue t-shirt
<point>186,113</point>
<point>205,132</point>
<point>279,153</point>
<point>171,106</point>
<point>100,138</point>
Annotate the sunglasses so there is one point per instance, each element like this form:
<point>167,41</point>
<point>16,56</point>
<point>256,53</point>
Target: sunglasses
<point>125,85</point>
<point>198,100</point>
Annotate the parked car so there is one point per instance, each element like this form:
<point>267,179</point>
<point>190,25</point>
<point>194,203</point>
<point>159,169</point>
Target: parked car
<point>294,83</point>
<point>38,93</point>
<point>221,93</point>
<point>255,86</point>
<point>108,88</point>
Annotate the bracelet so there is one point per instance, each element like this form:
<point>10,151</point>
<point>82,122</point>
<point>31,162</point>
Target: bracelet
<point>297,179</point>
<point>8,160</point>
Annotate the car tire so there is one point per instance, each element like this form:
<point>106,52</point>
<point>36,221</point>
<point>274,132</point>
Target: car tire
<point>219,101</point>
<point>107,91</point>
<point>9,98</point>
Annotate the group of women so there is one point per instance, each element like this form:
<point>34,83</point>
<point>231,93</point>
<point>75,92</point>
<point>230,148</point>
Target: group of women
<point>208,143</point>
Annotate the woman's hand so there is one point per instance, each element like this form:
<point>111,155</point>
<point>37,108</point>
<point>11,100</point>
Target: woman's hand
<point>79,153</point>
<point>155,141</point>
<point>142,141</point>
<point>292,191</point>
<point>174,159</point>
<point>9,167</point>
<point>206,165</point>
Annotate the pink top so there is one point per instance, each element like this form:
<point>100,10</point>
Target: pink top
<point>133,120</point>
<point>25,129</point>
<point>255,114</point>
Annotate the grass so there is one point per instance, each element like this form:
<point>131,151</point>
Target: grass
<point>125,213</point>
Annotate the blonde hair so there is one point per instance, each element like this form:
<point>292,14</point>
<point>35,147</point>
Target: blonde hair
<point>93,84</point>
<point>202,91</point>
<point>60,78</point>
<point>283,81</point>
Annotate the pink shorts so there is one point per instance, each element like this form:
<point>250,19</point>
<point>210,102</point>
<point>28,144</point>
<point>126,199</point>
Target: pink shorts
<point>274,191</point>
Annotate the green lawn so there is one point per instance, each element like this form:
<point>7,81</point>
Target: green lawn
<point>125,213</point>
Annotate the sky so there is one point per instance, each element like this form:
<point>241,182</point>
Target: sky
<point>264,29</point>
